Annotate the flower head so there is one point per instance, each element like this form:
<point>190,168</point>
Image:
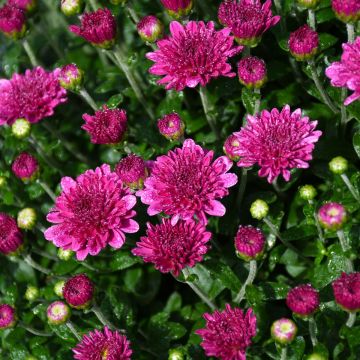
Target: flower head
<point>193,54</point>
<point>247,19</point>
<point>58,313</point>
<point>25,5</point>
<point>11,237</point>
<point>98,28</point>
<point>25,167</point>
<point>72,7</point>
<point>26,218</point>
<point>347,11</point>
<point>332,216</point>
<point>107,126</point>
<point>32,96</point>
<point>283,331</point>
<point>71,77</point>
<point>132,171</point>
<point>7,316</point>
<point>277,141</point>
<point>92,211</point>
<point>78,291</point>
<point>177,8</point>
<point>252,72</point>
<point>187,182</point>
<point>150,28</point>
<point>171,126</point>
<point>31,293</point>
<point>249,242</point>
<point>173,247</point>
<point>231,147</point>
<point>346,72</point>
<point>105,344</point>
<point>304,43</point>
<point>307,192</point>
<point>303,300</point>
<point>259,209</point>
<point>228,333</point>
<point>12,22</point>
<point>347,291</point>
<point>21,128</point>
<point>59,288</point>
<point>338,165</point>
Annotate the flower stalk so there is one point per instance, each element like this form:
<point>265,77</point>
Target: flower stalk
<point>33,331</point>
<point>30,53</point>
<point>88,99</point>
<point>350,186</point>
<point>72,328</point>
<point>250,279</point>
<point>351,319</point>
<point>208,110</point>
<point>313,331</point>
<point>312,19</point>
<point>345,246</point>
<point>31,262</point>
<point>102,318</point>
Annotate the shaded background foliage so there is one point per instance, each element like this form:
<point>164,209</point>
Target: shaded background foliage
<point>159,312</point>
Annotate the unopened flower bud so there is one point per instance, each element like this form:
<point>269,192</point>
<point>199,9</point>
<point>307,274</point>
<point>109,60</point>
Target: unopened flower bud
<point>32,293</point>
<point>25,167</point>
<point>283,331</point>
<point>303,300</point>
<point>26,5</point>
<point>150,28</point>
<point>177,9</point>
<point>249,243</point>
<point>171,126</point>
<point>79,291</point>
<point>2,181</point>
<point>231,147</point>
<point>26,219</point>
<point>21,128</point>
<point>304,43</point>
<point>308,4</point>
<point>12,22</point>
<point>71,77</point>
<point>347,11</point>
<point>65,255</point>
<point>8,317</point>
<point>118,2</point>
<point>58,313</point>
<point>176,354</point>
<point>252,72</point>
<point>316,356</point>
<point>338,165</point>
<point>332,216</point>
<point>132,171</point>
<point>72,7</point>
<point>259,209</point>
<point>307,192</point>
<point>59,288</point>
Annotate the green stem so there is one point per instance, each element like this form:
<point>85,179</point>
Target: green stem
<point>31,262</point>
<point>343,111</point>
<point>72,328</point>
<point>198,291</point>
<point>34,331</point>
<point>86,96</point>
<point>132,14</point>
<point>47,190</point>
<point>94,4</point>
<point>345,247</point>
<point>208,110</point>
<point>351,320</point>
<point>30,53</point>
<point>317,223</point>
<point>350,186</point>
<point>283,355</point>
<point>102,318</point>
<point>249,281</point>
<point>312,19</point>
<point>258,101</point>
<point>350,28</point>
<point>320,87</point>
<point>246,52</point>
<point>242,187</point>
<point>313,331</point>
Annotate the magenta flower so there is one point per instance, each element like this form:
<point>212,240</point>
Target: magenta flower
<point>11,238</point>
<point>32,96</point>
<point>283,331</point>
<point>332,216</point>
<point>105,344</point>
<point>231,147</point>
<point>247,19</point>
<point>252,72</point>
<point>228,333</point>
<point>177,8</point>
<point>150,28</point>
<point>107,126</point>
<point>347,291</point>
<point>171,126</point>
<point>192,55</point>
<point>347,11</point>
<point>171,248</point>
<point>98,28</point>
<point>303,300</point>
<point>58,313</point>
<point>71,77</point>
<point>249,242</point>
<point>92,211</point>
<point>78,291</point>
<point>277,141</point>
<point>25,167</point>
<point>187,182</point>
<point>346,72</point>
<point>12,22</point>
<point>7,316</point>
<point>303,43</point>
<point>132,171</point>
<point>25,5</point>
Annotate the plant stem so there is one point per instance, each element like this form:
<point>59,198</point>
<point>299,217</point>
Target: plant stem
<point>30,53</point>
<point>318,227</point>
<point>34,331</point>
<point>312,19</point>
<point>44,254</point>
<point>350,28</point>
<point>283,355</point>
<point>351,320</point>
<point>343,111</point>
<point>242,187</point>
<point>198,291</point>
<point>345,247</point>
<point>208,109</point>
<point>47,190</point>
<point>100,315</point>
<point>249,281</point>
<point>86,96</point>
<point>350,186</point>
<point>93,4</point>
<point>31,262</point>
<point>258,101</point>
<point>132,14</point>
<point>72,328</point>
<point>313,331</point>
<point>246,52</point>
<point>320,87</point>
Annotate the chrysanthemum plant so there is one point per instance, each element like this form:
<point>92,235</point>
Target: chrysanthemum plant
<point>179,179</point>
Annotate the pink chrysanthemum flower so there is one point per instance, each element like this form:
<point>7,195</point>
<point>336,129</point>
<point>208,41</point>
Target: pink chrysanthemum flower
<point>177,8</point>
<point>98,28</point>
<point>92,211</point>
<point>247,19</point>
<point>194,54</point>
<point>107,126</point>
<point>12,22</point>
<point>105,344</point>
<point>332,216</point>
<point>347,11</point>
<point>32,96</point>
<point>347,291</point>
<point>252,72</point>
<point>172,248</point>
<point>249,242</point>
<point>11,237</point>
<point>303,300</point>
<point>78,291</point>
<point>71,77</point>
<point>346,72</point>
<point>228,333</point>
<point>7,316</point>
<point>187,183</point>
<point>171,126</point>
<point>150,28</point>
<point>132,171</point>
<point>25,167</point>
<point>231,147</point>
<point>303,43</point>
<point>26,5</point>
<point>277,141</point>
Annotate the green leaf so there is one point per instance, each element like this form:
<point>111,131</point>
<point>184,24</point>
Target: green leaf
<point>174,303</point>
<point>327,41</point>
<point>299,232</point>
<point>115,101</point>
<point>356,143</point>
<point>249,98</point>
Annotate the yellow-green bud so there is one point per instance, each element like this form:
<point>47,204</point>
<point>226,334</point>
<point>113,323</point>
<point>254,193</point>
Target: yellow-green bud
<point>2,181</point>
<point>308,4</point>
<point>26,219</point>
<point>32,293</point>
<point>307,192</point>
<point>118,2</point>
<point>176,354</point>
<point>65,255</point>
<point>338,165</point>
<point>72,7</point>
<point>21,128</point>
<point>259,209</point>
<point>59,288</point>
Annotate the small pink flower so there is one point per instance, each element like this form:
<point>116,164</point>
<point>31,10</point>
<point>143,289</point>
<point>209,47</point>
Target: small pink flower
<point>71,77</point>
<point>107,126</point>
<point>171,126</point>
<point>332,216</point>
<point>93,211</point>
<point>150,28</point>
<point>346,72</point>
<point>304,43</point>
<point>249,242</point>
<point>32,96</point>
<point>11,238</point>
<point>194,54</point>
<point>105,344</point>
<point>98,28</point>
<point>25,166</point>
<point>231,147</point>
<point>247,19</point>
<point>132,171</point>
<point>177,8</point>
<point>252,72</point>
<point>7,316</point>
<point>277,141</point>
<point>347,291</point>
<point>186,183</point>
<point>283,331</point>
<point>347,11</point>
<point>12,22</point>
<point>78,291</point>
<point>58,313</point>
<point>228,333</point>
<point>303,300</point>
<point>25,5</point>
<point>172,248</point>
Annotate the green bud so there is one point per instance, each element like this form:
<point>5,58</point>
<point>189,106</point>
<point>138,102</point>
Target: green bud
<point>176,354</point>
<point>21,128</point>
<point>259,209</point>
<point>26,219</point>
<point>72,7</point>
<point>59,288</point>
<point>118,2</point>
<point>32,293</point>
<point>65,255</point>
<point>2,181</point>
<point>30,357</point>
<point>283,331</point>
<point>316,356</point>
<point>307,192</point>
<point>308,4</point>
<point>58,313</point>
<point>338,165</point>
